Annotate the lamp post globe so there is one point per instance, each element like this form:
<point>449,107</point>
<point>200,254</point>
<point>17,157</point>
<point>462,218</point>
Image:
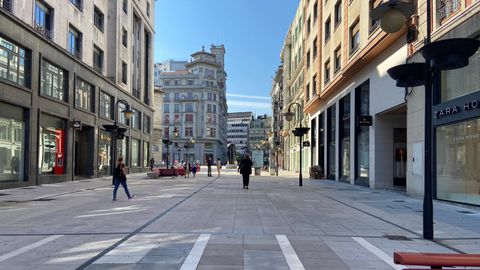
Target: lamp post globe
<point>392,21</point>
<point>289,116</point>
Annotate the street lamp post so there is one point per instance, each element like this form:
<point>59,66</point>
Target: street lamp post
<point>440,55</point>
<point>277,137</point>
<point>167,140</point>
<point>298,132</point>
<point>187,146</point>
<point>116,130</point>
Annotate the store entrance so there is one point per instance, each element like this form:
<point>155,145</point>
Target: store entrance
<point>400,157</point>
<point>84,152</point>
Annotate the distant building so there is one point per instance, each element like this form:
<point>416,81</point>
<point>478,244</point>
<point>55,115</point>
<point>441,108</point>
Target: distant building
<point>194,103</point>
<point>238,130</point>
<point>258,135</point>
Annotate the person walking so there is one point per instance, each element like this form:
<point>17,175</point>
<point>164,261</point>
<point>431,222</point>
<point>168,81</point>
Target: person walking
<point>152,163</point>
<point>219,166</point>
<point>194,170</point>
<point>120,178</point>
<point>209,167</point>
<point>245,169</point>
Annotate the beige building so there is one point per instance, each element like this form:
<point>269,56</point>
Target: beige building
<point>66,66</point>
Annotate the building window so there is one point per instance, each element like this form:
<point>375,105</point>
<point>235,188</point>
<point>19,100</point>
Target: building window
<point>124,72</point>
<point>148,9</point>
<point>74,42</point>
<point>97,59</point>
<point>327,29</point>
<point>189,107</point>
<point>125,6</point>
<point>43,19</point>
<point>176,108</point>
<point>308,59</point>
<point>314,86</point>
<point>53,81</point>
<point>106,105</point>
<point>98,18</point>
<point>51,145</point>
<point>354,37</point>
<point>83,95</point>
<point>308,25</point>
<point>372,5</point>
<point>13,142</point>
<point>307,92</point>
<point>146,124</point>
<point>166,108</point>
<point>166,82</point>
<point>136,119</point>
<point>6,4</point>
<point>14,63</point>
<point>190,82</point>
<point>189,132</point>
<point>176,118</point>
<point>121,117</point>
<point>315,50</point>
<point>176,96</point>
<point>211,132</point>
<point>166,119</point>
<point>78,4</point>
<point>189,118</point>
<point>338,59</point>
<point>136,153</point>
<point>315,11</point>
<point>338,13</point>
<point>327,72</point>
<point>124,38</point>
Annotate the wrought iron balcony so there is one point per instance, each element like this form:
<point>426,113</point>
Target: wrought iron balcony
<point>448,7</point>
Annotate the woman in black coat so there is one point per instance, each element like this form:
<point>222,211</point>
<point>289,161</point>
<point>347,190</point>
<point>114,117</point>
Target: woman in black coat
<point>245,169</point>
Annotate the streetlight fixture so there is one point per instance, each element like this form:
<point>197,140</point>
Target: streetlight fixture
<point>298,132</point>
<point>117,132</point>
<point>439,55</point>
<point>167,140</point>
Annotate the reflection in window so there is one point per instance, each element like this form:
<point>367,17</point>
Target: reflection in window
<point>104,153</point>
<point>53,83</point>
<point>12,62</point>
<point>458,160</point>
<point>52,146</point>
<point>135,153</point>
<point>83,95</point>
<point>12,141</point>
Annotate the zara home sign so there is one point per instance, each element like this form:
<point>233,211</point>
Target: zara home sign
<point>458,109</point>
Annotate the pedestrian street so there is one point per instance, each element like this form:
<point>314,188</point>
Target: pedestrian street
<point>213,223</point>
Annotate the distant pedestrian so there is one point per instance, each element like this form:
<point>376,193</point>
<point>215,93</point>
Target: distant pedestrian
<point>120,178</point>
<point>152,163</point>
<point>219,166</point>
<point>194,171</point>
<point>186,167</point>
<point>209,166</point>
<point>245,169</point>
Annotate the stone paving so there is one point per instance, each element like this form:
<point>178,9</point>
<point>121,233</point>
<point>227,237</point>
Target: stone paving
<point>212,223</point>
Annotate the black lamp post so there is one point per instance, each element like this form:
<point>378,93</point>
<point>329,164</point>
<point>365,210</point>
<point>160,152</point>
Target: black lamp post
<point>167,141</point>
<point>440,55</point>
<point>277,135</point>
<point>187,146</point>
<point>117,132</point>
<point>298,132</point>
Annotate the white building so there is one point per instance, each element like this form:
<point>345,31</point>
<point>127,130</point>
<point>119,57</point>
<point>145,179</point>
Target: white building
<point>238,131</point>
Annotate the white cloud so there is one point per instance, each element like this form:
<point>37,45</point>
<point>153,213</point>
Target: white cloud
<point>247,96</point>
<point>246,105</point>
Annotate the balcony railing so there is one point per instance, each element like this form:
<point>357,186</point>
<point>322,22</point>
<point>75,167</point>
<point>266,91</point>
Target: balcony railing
<point>6,4</point>
<point>448,7</point>
<point>75,52</point>
<point>43,30</point>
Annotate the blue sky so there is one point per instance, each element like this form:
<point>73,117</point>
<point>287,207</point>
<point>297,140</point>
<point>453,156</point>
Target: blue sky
<point>251,30</point>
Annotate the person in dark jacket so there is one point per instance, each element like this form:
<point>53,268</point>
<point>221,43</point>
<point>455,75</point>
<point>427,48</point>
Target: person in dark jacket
<point>120,178</point>
<point>245,169</point>
<point>209,166</point>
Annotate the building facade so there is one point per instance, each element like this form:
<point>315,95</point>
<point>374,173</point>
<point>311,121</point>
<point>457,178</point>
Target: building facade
<point>276,140</point>
<point>65,65</point>
<point>238,131</point>
<point>194,103</point>
<point>258,137</point>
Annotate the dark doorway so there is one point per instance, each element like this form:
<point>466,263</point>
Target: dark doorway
<point>400,157</point>
<point>84,152</point>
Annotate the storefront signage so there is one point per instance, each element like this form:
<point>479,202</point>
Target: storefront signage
<point>77,125</point>
<point>365,120</point>
<point>306,144</point>
<point>458,109</point>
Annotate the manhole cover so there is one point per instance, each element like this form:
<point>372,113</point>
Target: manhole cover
<point>396,237</point>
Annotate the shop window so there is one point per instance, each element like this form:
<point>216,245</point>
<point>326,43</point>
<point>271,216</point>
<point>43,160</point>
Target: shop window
<point>106,105</point>
<point>104,153</point>
<point>331,147</point>
<point>53,82</point>
<point>135,153</point>
<point>84,93</point>
<point>12,143</point>
<point>362,135</point>
<point>122,150</point>
<point>51,145</point>
<point>146,153</point>
<point>344,128</point>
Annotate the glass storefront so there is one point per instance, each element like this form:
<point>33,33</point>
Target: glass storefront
<point>135,153</point>
<point>146,153</point>
<point>458,160</point>
<point>51,145</point>
<point>104,153</point>
<point>12,143</point>
<point>345,138</point>
<point>321,142</point>
<point>122,150</point>
<point>362,144</point>
<point>331,131</point>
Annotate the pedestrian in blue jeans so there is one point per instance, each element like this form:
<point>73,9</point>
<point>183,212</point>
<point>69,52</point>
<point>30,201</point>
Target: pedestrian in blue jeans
<point>120,178</point>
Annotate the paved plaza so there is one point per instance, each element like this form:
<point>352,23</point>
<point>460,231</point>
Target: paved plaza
<point>212,223</point>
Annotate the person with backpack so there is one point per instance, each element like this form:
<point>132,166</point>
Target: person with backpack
<point>120,178</point>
